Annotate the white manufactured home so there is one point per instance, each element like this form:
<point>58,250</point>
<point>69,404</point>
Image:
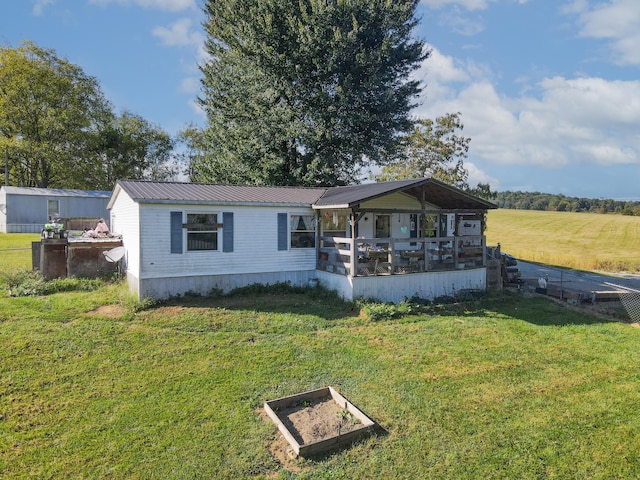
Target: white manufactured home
<point>28,209</point>
<point>389,241</point>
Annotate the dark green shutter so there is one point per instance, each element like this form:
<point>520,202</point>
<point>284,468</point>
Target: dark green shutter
<point>176,232</point>
<point>283,231</point>
<point>227,231</point>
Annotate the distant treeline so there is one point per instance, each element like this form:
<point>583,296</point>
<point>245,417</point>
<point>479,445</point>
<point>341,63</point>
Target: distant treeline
<point>560,203</point>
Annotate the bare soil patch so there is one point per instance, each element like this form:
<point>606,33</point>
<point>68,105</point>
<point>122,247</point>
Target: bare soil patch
<point>316,419</point>
<point>109,311</point>
<point>309,421</point>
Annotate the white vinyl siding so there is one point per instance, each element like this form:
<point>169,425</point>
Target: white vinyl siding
<point>255,244</point>
<point>125,218</point>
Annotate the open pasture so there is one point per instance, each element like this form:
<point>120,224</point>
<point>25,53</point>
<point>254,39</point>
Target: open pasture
<point>585,241</point>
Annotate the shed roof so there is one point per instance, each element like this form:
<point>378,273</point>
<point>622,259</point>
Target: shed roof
<point>55,192</point>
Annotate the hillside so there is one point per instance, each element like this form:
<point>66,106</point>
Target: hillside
<point>586,241</point>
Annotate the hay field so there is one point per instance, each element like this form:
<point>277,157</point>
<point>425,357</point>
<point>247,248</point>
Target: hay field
<point>586,241</point>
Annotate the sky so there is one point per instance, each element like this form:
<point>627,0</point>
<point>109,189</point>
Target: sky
<point>548,90</point>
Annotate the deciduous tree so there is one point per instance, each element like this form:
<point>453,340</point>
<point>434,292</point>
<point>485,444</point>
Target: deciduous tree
<point>433,149</point>
<point>49,109</point>
<point>59,131</point>
<point>128,146</point>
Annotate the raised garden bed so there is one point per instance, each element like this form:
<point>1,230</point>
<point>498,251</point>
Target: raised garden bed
<point>317,421</point>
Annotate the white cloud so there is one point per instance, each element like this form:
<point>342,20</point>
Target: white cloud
<point>617,21</point>
<point>190,85</point>
<point>476,176</point>
<point>179,34</point>
<point>169,5</point>
<point>558,122</point>
<point>461,23</point>
<point>39,6</point>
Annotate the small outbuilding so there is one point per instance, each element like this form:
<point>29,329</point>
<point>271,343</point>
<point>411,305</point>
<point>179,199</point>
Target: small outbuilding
<point>28,209</point>
<point>388,241</point>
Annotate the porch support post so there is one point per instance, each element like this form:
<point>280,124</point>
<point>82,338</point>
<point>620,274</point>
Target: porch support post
<point>318,227</point>
<point>353,257</point>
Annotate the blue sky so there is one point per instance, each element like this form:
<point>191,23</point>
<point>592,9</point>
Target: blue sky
<point>549,90</point>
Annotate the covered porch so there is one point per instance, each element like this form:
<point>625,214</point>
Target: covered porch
<point>372,256</point>
<point>396,228</point>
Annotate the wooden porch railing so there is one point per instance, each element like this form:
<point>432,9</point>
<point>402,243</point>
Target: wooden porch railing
<point>394,256</point>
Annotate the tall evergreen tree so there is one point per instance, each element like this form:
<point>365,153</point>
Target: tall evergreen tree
<point>305,92</point>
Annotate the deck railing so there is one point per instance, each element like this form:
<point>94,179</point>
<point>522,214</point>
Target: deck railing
<point>393,256</point>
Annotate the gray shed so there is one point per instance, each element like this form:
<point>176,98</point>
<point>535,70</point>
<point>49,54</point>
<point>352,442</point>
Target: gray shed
<point>27,209</point>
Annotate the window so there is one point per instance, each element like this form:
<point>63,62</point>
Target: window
<point>53,209</point>
<point>335,224</point>
<point>383,226</point>
<point>202,231</point>
<point>303,231</point>
<point>430,225</point>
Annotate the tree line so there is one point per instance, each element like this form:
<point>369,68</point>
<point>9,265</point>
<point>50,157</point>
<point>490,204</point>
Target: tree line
<point>295,92</point>
<point>562,203</point>
<point>57,129</point>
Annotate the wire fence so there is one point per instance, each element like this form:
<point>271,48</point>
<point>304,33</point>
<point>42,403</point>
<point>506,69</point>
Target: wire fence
<point>631,302</point>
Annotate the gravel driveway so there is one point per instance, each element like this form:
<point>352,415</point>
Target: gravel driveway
<point>578,280</point>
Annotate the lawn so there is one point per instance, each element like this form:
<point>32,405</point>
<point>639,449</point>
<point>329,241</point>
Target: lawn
<point>15,251</point>
<point>586,241</point>
<point>92,385</point>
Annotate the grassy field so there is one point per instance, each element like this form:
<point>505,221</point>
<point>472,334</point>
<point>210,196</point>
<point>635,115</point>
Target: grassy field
<point>94,386</point>
<point>579,240</point>
<point>15,251</point>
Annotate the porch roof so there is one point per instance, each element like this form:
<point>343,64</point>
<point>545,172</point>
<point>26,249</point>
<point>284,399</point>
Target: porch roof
<point>425,190</point>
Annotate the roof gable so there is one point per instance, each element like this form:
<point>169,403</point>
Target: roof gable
<point>425,190</point>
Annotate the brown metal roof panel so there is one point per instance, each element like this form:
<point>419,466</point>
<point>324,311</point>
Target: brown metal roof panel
<point>148,191</point>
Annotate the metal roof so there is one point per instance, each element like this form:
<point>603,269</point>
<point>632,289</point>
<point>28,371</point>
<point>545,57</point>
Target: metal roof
<point>199,193</point>
<point>55,192</point>
<point>425,190</point>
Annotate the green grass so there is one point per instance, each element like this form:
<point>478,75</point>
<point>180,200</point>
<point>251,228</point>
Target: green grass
<point>586,241</point>
<point>91,386</point>
<point>15,251</point>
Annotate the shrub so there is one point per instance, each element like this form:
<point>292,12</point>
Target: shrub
<point>29,283</point>
<point>375,311</point>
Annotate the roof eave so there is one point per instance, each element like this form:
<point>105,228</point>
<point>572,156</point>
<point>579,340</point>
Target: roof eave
<point>221,203</point>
